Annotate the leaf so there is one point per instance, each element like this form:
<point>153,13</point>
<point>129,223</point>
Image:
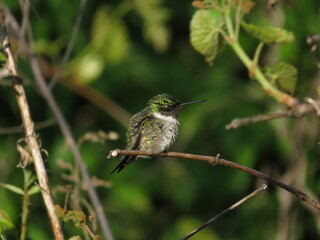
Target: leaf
<point>75,238</point>
<point>28,177</point>
<point>204,33</point>
<point>319,91</point>
<point>3,58</point>
<point>5,221</point>
<point>34,190</point>
<point>269,34</point>
<point>283,76</point>
<point>13,188</point>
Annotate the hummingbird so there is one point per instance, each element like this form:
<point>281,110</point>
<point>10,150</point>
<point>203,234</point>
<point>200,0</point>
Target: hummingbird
<point>153,129</point>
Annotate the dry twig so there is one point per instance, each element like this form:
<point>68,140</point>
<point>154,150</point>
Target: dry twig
<point>47,94</point>
<point>297,112</point>
<point>237,204</point>
<point>28,126</point>
<point>220,161</point>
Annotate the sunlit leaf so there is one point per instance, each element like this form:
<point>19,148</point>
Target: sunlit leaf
<point>75,238</point>
<point>319,91</point>
<point>29,178</point>
<point>204,33</point>
<point>269,34</point>
<point>12,188</point>
<point>34,190</point>
<point>283,76</point>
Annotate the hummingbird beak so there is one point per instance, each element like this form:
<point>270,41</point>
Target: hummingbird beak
<point>187,103</point>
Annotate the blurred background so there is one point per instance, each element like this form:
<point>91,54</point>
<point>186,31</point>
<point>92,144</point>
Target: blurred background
<point>125,53</point>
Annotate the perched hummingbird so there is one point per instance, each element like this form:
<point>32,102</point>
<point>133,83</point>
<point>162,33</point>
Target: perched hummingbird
<point>154,128</point>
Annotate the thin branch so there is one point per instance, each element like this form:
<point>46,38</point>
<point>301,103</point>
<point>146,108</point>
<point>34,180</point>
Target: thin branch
<point>297,112</point>
<point>47,94</point>
<point>219,161</point>
<point>237,204</point>
<point>67,53</point>
<point>19,129</point>
<point>28,126</point>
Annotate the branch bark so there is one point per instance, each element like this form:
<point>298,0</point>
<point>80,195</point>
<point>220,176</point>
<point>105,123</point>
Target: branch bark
<point>237,204</point>
<point>220,161</point>
<point>28,126</point>
<point>298,111</point>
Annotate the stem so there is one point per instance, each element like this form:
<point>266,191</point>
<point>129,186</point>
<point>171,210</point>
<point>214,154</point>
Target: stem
<point>25,210</point>
<point>229,24</point>
<point>255,72</point>
<point>257,53</point>
<point>238,20</point>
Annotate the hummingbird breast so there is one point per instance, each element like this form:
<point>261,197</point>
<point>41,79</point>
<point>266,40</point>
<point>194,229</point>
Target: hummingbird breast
<point>158,133</point>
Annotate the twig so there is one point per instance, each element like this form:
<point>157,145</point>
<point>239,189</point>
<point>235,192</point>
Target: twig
<point>237,204</point>
<point>19,129</point>
<point>47,94</point>
<point>28,126</point>
<point>219,161</point>
<point>67,53</point>
<point>297,112</point>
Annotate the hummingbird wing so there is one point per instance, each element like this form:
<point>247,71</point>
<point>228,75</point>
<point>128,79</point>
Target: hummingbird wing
<point>133,139</point>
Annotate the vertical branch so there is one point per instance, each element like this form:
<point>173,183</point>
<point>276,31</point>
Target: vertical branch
<point>28,126</point>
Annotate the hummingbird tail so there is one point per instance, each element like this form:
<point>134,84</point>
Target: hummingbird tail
<point>122,164</point>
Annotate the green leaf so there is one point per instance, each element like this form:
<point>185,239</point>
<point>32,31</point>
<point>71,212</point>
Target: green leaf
<point>34,190</point>
<point>283,76</point>
<point>3,58</point>
<point>269,34</point>
<point>204,33</point>
<point>5,222</point>
<point>13,188</point>
<point>75,238</point>
<point>29,178</point>
<point>319,91</point>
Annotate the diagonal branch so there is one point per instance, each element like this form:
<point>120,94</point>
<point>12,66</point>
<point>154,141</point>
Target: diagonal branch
<point>298,111</point>
<point>61,121</point>
<point>237,204</point>
<point>47,94</point>
<point>28,126</point>
<point>68,51</point>
<point>220,161</point>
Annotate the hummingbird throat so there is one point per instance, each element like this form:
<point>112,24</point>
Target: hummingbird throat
<point>165,118</point>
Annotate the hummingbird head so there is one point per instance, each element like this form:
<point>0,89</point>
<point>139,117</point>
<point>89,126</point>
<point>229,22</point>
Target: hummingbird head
<point>167,105</point>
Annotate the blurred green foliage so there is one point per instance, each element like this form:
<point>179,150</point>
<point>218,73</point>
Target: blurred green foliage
<point>133,50</point>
